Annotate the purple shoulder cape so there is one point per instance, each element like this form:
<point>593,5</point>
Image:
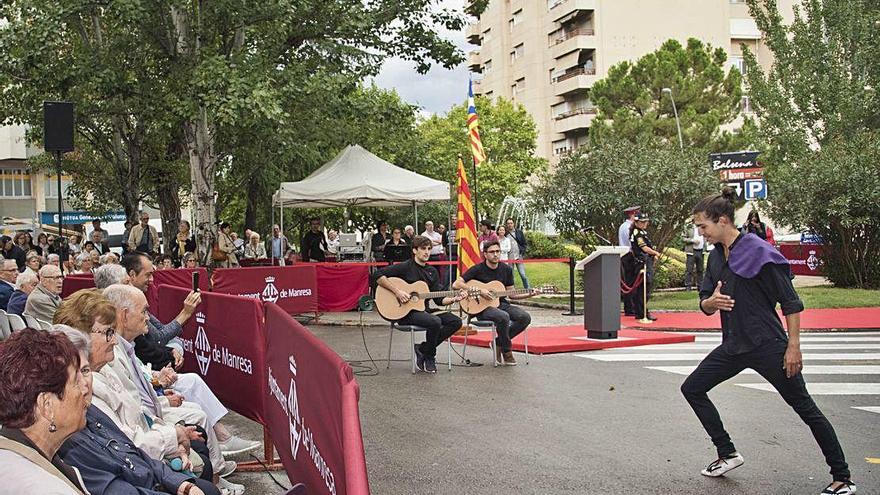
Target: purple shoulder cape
<point>750,254</point>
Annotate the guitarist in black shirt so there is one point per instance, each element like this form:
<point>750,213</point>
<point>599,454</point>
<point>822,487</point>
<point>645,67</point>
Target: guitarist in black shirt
<point>509,320</point>
<point>440,325</point>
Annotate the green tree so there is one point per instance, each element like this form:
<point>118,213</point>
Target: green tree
<point>508,134</point>
<point>592,187</point>
<point>631,102</point>
<point>819,110</point>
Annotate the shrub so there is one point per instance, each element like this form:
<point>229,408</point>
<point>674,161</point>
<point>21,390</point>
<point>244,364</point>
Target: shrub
<point>669,273</point>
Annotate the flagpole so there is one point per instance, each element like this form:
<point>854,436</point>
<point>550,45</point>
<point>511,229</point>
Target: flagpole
<point>474,192</point>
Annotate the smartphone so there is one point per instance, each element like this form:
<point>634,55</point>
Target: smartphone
<point>195,276</point>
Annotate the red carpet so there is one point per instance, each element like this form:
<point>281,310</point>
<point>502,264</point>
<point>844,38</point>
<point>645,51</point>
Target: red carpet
<point>549,340</point>
<point>814,319</point>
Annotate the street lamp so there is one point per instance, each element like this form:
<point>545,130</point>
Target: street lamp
<point>675,110</point>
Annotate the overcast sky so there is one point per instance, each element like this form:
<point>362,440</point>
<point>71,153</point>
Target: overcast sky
<point>437,90</point>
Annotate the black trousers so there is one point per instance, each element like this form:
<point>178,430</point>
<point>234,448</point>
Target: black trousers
<point>767,360</point>
<point>638,295</point>
<point>200,447</point>
<point>440,326</point>
<point>509,320</point>
<point>628,274</point>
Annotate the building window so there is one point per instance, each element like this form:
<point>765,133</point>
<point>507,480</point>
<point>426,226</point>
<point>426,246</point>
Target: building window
<point>516,53</point>
<point>516,19</point>
<point>487,67</point>
<point>487,35</point>
<point>15,183</point>
<point>739,63</point>
<point>520,84</point>
<point>51,185</point>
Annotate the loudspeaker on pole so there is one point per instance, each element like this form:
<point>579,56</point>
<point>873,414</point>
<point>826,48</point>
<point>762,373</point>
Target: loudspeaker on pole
<point>58,126</point>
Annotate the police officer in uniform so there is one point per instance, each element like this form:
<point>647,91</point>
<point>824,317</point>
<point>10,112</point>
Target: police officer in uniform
<point>627,263</point>
<point>644,255</point>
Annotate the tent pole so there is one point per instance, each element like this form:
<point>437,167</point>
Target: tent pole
<point>416,215</point>
<point>346,215</point>
<point>272,221</point>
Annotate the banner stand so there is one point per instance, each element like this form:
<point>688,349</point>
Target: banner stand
<point>263,464</point>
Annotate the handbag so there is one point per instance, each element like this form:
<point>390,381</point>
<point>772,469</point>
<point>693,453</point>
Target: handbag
<point>217,254</point>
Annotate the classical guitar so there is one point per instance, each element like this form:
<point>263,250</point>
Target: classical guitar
<point>475,303</point>
<point>390,308</point>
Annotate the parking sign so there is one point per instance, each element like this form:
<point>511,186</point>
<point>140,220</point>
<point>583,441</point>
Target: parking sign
<point>755,189</point>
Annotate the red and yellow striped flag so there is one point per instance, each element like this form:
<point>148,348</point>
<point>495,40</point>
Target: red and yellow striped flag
<point>473,128</point>
<point>465,225</point>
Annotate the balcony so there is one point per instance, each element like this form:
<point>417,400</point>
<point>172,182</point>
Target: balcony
<point>579,39</point>
<point>475,61</point>
<point>478,86</point>
<point>473,34</point>
<point>576,80</point>
<point>559,9</point>
<point>574,120</point>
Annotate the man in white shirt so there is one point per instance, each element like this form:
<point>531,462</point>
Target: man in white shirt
<point>693,248</point>
<point>627,262</point>
<point>437,252</point>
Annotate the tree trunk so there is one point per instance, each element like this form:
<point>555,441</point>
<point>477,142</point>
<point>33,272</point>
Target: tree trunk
<point>254,193</point>
<point>168,195</point>
<point>202,165</point>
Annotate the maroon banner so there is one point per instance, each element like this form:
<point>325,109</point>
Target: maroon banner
<point>293,288</point>
<point>340,286</point>
<point>73,283</point>
<point>311,410</point>
<point>178,277</point>
<point>225,343</point>
<point>805,259</point>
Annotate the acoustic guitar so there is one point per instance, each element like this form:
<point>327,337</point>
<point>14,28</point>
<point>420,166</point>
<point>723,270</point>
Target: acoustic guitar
<point>390,308</point>
<point>476,302</point>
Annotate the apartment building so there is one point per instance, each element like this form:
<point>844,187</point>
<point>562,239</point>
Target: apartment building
<point>23,193</point>
<point>547,54</point>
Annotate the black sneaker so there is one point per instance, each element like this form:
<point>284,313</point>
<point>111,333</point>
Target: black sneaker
<point>420,359</point>
<point>430,365</point>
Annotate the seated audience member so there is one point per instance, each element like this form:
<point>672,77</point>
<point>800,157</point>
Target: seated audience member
<point>165,262</point>
<point>88,247</point>
<point>378,241</point>
<point>140,271</point>
<point>397,249</point>
<point>130,305</point>
<point>82,263</point>
<point>95,259</point>
<point>332,242</point>
<point>190,261</point>
<point>107,259</point>
<point>33,263</point>
<point>99,243</point>
<point>105,457</point>
<point>40,412</point>
<point>107,275</point>
<point>8,274</point>
<point>254,250</point>
<point>43,301</point>
<point>89,316</point>
<point>53,259</point>
<point>24,285</point>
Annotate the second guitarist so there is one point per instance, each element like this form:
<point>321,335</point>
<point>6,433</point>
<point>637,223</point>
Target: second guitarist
<point>509,320</point>
<point>440,326</point>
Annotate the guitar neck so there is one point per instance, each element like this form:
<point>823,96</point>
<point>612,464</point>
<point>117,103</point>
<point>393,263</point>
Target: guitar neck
<point>433,295</point>
<point>514,292</point>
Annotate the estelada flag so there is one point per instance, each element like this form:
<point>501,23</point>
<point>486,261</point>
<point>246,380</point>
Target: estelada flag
<point>473,123</point>
<point>465,226</point>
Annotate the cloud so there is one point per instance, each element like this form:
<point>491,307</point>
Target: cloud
<point>439,89</point>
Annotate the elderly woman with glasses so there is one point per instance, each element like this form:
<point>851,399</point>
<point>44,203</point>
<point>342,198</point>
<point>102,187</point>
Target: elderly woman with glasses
<point>106,457</point>
<point>43,401</point>
<point>93,315</point>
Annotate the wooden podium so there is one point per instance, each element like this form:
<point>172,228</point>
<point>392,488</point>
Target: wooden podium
<point>602,291</point>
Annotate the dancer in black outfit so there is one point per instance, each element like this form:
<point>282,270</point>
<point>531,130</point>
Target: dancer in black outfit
<point>745,279</point>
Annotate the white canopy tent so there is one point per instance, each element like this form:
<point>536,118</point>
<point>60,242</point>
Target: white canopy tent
<point>356,177</point>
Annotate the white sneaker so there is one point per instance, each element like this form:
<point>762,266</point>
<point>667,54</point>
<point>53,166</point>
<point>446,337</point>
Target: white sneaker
<point>227,468</point>
<point>236,445</point>
<point>722,465</point>
<point>847,488</point>
<point>229,488</point>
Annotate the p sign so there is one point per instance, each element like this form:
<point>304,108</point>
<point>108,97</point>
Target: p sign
<point>755,189</point>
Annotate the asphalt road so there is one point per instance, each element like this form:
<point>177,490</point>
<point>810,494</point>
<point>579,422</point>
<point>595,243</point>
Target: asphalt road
<point>572,423</point>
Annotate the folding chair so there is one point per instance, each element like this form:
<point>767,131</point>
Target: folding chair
<point>412,329</point>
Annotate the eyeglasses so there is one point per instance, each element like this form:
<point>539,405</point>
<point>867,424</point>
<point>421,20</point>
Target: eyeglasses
<point>108,333</point>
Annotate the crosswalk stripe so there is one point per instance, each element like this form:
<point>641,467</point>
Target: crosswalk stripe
<point>614,357</point>
<point>806,338</point>
<point>855,369</point>
<point>873,409</point>
<point>825,388</point>
<point>804,346</point>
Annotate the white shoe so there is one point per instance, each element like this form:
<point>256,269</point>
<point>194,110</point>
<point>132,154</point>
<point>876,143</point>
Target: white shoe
<point>847,488</point>
<point>229,488</point>
<point>236,445</point>
<point>227,468</point>
<point>722,465</point>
